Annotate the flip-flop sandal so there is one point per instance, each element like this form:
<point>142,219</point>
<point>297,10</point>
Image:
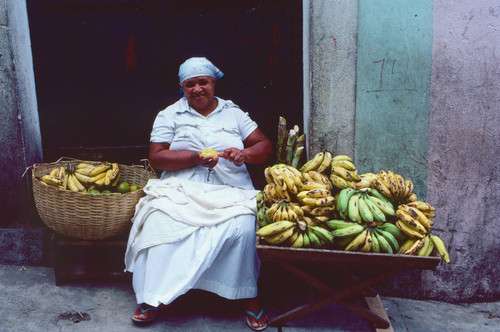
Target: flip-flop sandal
<point>249,313</point>
<point>155,313</point>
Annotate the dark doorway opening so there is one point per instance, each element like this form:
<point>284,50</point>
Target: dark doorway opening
<point>104,69</point>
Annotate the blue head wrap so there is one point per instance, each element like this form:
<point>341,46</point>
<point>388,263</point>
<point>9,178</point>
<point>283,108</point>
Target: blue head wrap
<point>198,66</point>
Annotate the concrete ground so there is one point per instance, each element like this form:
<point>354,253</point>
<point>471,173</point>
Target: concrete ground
<point>30,301</point>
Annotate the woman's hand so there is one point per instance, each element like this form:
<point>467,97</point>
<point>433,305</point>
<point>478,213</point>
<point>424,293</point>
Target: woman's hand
<point>235,155</point>
<point>208,162</point>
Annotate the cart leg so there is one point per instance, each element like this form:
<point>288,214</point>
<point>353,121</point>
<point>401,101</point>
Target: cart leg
<point>357,287</point>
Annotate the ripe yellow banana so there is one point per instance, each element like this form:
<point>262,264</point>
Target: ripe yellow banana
<point>382,188</point>
<point>51,180</point>
<point>84,179</point>
<point>71,184</point>
<point>339,182</point>
<point>54,172</point>
<point>341,157</point>
<point>348,165</point>
<point>401,185</point>
<point>346,174</point>
<point>425,247</point>
<point>410,231</point>
<point>267,175</point>
<point>275,228</point>
<point>358,242</point>
<point>77,183</point>
<point>319,177</point>
<point>272,210</point>
<point>280,237</point>
<point>407,244</point>
<point>309,185</point>
<point>440,247</point>
<point>328,201</point>
<point>314,163</point>
<point>368,242</point>
<point>382,177</point>
<point>410,221</point>
<point>99,169</point>
<point>94,179</point>
<point>393,184</point>
<point>322,211</point>
<point>325,163</point>
<point>314,193</point>
<point>413,250</point>
<point>422,206</point>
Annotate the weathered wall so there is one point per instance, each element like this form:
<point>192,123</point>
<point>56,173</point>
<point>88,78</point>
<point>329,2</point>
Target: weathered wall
<point>464,147</point>
<point>333,75</point>
<point>21,242</point>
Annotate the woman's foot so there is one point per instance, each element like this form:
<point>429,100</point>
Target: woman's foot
<point>145,314</point>
<point>255,316</point>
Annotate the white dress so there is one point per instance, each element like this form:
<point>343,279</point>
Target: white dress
<point>211,244</point>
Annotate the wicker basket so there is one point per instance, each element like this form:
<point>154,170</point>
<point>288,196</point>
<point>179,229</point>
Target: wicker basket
<point>88,216</point>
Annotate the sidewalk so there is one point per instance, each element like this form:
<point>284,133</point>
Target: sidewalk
<point>30,301</point>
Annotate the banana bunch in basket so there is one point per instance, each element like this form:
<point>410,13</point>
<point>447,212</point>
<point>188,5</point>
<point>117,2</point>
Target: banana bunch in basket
<point>83,177</point>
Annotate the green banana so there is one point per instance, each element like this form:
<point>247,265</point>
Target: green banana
<point>386,208</point>
<point>394,230</point>
<point>364,210</point>
<point>385,246</point>
<point>343,199</point>
<point>348,231</point>
<point>379,195</point>
<point>375,243</point>
<point>390,238</point>
<point>314,239</point>
<point>307,240</point>
<point>337,224</point>
<point>323,234</point>
<point>262,217</point>
<point>378,215</point>
<point>353,209</point>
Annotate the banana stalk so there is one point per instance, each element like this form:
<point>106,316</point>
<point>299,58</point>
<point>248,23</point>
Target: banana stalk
<point>292,136</point>
<point>281,139</point>
<point>298,150</point>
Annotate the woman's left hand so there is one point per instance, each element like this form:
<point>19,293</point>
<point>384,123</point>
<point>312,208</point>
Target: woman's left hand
<point>235,155</point>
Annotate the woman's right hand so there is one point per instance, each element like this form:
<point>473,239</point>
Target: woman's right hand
<point>208,162</point>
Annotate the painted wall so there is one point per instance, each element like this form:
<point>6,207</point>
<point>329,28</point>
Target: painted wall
<point>427,106</point>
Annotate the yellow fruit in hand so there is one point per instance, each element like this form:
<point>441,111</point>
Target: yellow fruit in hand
<point>123,188</point>
<point>209,153</point>
<point>134,187</point>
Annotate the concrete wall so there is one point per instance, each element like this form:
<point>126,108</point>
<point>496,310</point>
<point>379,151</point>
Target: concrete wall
<point>455,114</point>
<point>464,146</point>
<point>21,241</point>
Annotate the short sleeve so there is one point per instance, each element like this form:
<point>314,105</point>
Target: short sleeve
<point>246,125</point>
<point>163,128</point>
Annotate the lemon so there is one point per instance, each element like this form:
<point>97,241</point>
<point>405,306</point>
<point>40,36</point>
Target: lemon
<point>134,187</point>
<point>94,191</point>
<point>123,188</point>
<point>106,191</point>
<point>209,153</point>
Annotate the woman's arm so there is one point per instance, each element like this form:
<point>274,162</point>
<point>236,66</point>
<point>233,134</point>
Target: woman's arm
<point>258,149</point>
<point>162,158</point>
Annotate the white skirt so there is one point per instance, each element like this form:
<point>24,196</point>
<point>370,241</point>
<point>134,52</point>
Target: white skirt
<point>221,259</point>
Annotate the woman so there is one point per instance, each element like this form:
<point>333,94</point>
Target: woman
<point>195,228</point>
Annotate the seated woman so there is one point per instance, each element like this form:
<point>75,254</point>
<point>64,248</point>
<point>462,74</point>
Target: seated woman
<point>195,228</point>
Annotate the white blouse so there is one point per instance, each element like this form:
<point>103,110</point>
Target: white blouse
<point>185,129</point>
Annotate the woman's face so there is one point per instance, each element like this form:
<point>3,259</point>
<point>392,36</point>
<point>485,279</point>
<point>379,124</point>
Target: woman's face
<point>199,92</point>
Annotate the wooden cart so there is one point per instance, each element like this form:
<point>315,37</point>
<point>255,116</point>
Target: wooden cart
<point>385,266</point>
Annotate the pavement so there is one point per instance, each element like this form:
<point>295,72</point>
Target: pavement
<point>31,301</point>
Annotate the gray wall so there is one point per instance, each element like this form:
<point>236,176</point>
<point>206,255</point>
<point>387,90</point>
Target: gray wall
<point>21,240</point>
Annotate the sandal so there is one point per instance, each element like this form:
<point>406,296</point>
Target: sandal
<point>257,317</point>
<point>151,313</point>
